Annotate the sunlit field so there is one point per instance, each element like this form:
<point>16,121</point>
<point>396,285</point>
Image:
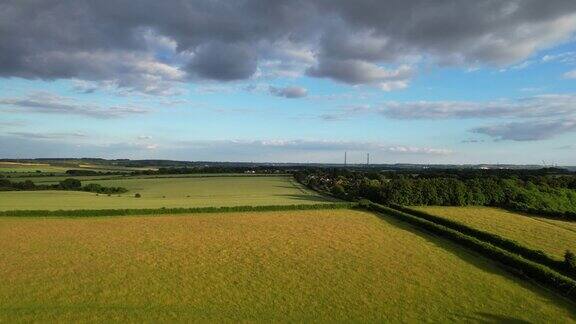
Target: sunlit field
<point>323,265</point>
<point>16,168</point>
<point>170,192</point>
<point>12,167</point>
<point>549,235</point>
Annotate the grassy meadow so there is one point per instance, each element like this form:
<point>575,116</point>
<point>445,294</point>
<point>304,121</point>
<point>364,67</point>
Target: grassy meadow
<point>169,192</point>
<point>549,235</point>
<point>322,265</point>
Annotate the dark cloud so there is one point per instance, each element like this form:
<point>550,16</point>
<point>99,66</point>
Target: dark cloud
<point>153,46</point>
<point>359,72</point>
<point>47,103</point>
<point>224,62</point>
<point>289,92</point>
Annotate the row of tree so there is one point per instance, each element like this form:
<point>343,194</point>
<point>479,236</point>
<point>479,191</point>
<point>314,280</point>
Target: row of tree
<point>545,195</point>
<point>67,184</point>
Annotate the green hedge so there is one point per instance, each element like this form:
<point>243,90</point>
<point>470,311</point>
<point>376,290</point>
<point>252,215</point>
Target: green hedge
<point>507,244</point>
<point>533,270</point>
<point>163,211</point>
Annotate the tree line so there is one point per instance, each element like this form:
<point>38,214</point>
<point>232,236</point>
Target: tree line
<point>66,184</point>
<point>549,195</point>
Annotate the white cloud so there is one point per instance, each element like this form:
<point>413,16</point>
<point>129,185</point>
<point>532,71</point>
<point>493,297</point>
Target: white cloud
<point>48,103</point>
<point>528,130</point>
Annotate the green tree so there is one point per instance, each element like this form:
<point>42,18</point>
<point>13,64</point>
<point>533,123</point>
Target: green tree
<point>70,184</point>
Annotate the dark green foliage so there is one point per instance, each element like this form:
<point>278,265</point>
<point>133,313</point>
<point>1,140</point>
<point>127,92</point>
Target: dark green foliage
<point>499,241</point>
<point>137,195</point>
<point>163,211</point>
<point>530,269</point>
<point>570,260</point>
<point>94,187</point>
<point>67,184</point>
<point>74,172</point>
<point>70,184</point>
<point>544,195</point>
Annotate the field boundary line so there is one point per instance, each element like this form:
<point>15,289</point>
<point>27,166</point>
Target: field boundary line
<point>538,272</point>
<point>166,211</point>
<point>512,246</point>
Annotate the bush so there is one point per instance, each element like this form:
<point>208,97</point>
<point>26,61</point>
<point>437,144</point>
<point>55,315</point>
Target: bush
<point>570,260</point>
<point>137,195</point>
<point>70,184</point>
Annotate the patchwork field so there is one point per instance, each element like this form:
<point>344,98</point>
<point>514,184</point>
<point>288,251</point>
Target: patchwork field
<point>170,192</point>
<point>16,168</point>
<point>322,265</point>
<point>12,167</point>
<point>549,235</point>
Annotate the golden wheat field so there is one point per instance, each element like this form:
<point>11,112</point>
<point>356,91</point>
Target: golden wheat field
<point>549,235</point>
<point>322,265</point>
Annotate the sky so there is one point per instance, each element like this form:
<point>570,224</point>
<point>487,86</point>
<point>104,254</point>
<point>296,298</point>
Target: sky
<point>419,81</point>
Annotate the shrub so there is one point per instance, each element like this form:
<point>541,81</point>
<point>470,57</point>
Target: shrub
<point>70,184</point>
<point>137,195</point>
<point>570,260</point>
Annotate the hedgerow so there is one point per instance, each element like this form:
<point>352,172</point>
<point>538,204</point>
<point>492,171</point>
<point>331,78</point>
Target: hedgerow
<point>507,244</point>
<point>164,211</point>
<point>533,270</point>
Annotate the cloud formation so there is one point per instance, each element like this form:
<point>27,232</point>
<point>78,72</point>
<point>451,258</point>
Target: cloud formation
<point>22,145</point>
<point>550,105</point>
<point>289,92</point>
<point>223,62</point>
<point>528,119</point>
<point>356,72</point>
<point>48,103</point>
<point>154,46</point>
<point>49,136</point>
<point>528,130</point>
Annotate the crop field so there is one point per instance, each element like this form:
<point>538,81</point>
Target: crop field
<point>12,167</point>
<point>16,168</point>
<point>170,192</point>
<point>549,235</point>
<point>322,265</point>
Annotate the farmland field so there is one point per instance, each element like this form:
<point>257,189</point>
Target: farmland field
<point>13,167</point>
<point>322,265</point>
<point>16,168</point>
<point>549,235</point>
<point>170,192</point>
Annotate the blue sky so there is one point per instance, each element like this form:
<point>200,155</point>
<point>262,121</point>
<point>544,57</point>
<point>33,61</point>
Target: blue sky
<point>304,91</point>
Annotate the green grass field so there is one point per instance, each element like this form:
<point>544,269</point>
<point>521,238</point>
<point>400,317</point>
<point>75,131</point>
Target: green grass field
<point>170,192</point>
<point>549,235</point>
<point>322,266</point>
